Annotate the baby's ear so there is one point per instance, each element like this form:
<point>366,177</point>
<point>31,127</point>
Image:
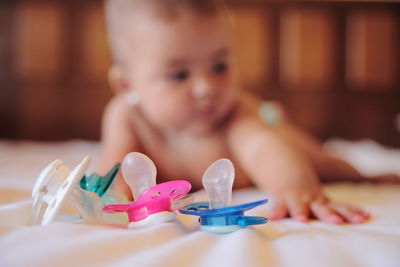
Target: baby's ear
<point>117,79</point>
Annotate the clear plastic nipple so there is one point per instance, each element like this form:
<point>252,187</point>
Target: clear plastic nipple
<point>139,172</point>
<point>218,182</point>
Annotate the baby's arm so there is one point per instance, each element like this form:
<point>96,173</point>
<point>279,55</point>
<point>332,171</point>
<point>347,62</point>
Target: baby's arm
<point>118,139</point>
<point>327,166</point>
<point>283,170</point>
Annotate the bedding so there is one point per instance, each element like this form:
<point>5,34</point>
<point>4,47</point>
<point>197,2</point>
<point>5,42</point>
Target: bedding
<point>180,243</point>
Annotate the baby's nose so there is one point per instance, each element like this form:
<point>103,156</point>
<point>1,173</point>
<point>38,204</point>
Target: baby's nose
<point>203,88</point>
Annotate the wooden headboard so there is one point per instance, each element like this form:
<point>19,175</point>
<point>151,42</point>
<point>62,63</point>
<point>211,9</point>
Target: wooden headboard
<point>335,65</point>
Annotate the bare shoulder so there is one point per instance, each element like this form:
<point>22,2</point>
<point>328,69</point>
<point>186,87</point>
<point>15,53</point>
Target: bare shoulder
<point>246,113</point>
<point>252,110</point>
<point>257,106</point>
<point>251,140</point>
<point>247,129</point>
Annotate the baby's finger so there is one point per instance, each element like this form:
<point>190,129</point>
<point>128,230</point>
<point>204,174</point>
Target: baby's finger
<point>278,211</point>
<point>361,212</point>
<point>323,212</point>
<point>388,178</point>
<point>298,210</point>
<point>351,214</point>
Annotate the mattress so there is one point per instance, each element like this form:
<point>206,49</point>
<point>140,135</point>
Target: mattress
<point>181,243</point>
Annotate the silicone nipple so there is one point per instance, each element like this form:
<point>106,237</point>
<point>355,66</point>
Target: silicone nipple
<point>139,172</point>
<point>179,203</point>
<point>218,182</point>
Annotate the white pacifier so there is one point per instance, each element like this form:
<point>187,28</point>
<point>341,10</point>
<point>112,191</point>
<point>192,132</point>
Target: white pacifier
<point>57,184</point>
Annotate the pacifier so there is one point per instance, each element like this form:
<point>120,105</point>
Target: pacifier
<point>101,185</point>
<point>153,203</point>
<point>58,184</point>
<point>217,216</point>
<point>98,184</point>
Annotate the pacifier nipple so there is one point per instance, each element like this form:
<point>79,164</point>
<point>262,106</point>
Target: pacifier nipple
<point>139,172</point>
<point>218,181</point>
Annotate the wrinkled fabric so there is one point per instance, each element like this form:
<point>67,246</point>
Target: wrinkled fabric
<point>180,243</point>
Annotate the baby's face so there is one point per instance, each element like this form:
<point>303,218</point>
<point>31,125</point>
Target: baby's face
<point>182,71</point>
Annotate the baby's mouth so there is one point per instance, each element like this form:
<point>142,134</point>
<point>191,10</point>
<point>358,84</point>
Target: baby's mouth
<point>204,113</point>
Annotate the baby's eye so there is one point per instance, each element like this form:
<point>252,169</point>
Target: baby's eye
<point>220,67</point>
<point>180,75</point>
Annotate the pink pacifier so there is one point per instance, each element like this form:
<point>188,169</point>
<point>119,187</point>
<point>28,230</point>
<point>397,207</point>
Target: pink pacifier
<point>154,203</point>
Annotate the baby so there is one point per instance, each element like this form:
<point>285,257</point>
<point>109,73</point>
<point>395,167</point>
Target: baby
<point>177,100</point>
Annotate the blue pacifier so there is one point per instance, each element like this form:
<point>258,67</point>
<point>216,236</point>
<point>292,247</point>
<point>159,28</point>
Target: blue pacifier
<point>216,216</point>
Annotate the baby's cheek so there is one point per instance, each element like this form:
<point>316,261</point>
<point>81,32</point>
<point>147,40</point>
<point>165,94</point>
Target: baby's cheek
<point>178,113</point>
<point>168,112</point>
<point>178,106</point>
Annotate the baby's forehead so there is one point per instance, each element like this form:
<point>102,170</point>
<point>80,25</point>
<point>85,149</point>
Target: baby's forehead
<point>166,10</point>
<point>148,26</point>
<point>135,22</point>
<point>144,22</point>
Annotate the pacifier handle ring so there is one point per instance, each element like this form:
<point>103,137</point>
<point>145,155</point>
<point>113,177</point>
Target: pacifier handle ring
<point>251,220</point>
<point>116,208</point>
<point>203,208</point>
<point>180,202</point>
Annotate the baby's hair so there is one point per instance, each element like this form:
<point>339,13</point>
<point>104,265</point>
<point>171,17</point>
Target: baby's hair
<point>116,12</point>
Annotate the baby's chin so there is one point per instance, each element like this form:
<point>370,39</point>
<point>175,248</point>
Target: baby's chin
<point>198,125</point>
<point>204,124</point>
<point>202,129</point>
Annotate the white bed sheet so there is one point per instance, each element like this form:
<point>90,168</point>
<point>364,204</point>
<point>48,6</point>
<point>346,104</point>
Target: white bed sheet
<point>277,243</point>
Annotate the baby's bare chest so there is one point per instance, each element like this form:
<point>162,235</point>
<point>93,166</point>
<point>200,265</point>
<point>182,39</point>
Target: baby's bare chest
<point>188,159</point>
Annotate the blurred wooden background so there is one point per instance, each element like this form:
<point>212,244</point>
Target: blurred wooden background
<point>333,64</point>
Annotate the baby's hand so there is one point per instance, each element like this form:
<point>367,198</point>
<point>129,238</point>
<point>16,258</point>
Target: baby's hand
<point>293,182</point>
<point>301,198</point>
<point>301,208</point>
<point>285,170</point>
